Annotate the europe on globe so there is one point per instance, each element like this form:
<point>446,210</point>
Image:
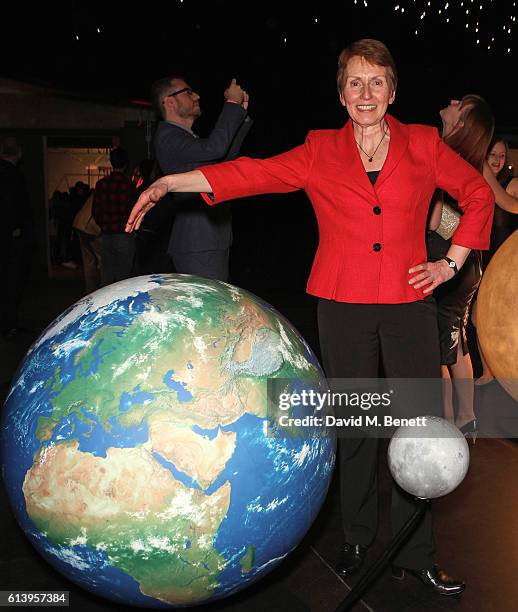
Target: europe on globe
<point>137,449</point>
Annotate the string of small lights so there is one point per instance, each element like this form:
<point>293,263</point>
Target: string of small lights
<point>490,23</point>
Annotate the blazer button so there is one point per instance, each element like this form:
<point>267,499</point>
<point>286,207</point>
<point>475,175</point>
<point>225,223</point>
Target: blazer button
<point>376,246</point>
<point>376,210</point>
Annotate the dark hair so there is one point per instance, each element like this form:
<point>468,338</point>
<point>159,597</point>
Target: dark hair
<point>472,139</point>
<point>159,89</point>
<point>504,172</point>
<point>374,52</point>
<point>119,158</point>
<point>494,141</point>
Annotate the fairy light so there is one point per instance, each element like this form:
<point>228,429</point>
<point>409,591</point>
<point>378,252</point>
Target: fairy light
<point>466,14</point>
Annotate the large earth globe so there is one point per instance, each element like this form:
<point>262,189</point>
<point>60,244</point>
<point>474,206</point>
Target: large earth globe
<point>138,451</point>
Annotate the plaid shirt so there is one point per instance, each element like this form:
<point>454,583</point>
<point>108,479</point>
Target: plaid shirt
<point>113,200</point>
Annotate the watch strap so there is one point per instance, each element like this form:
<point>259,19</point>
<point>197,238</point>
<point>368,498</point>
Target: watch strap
<point>452,264</point>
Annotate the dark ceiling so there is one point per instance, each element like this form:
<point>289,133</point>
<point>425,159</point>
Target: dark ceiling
<point>291,83</point>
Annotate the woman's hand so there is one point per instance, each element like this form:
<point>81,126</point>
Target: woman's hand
<point>431,273</point>
<point>146,201</point>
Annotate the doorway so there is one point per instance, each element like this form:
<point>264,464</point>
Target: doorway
<point>73,167</point>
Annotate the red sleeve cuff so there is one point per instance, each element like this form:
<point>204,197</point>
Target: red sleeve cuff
<point>209,198</point>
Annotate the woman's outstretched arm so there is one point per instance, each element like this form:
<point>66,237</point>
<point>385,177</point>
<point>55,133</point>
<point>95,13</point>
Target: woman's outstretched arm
<point>186,182</point>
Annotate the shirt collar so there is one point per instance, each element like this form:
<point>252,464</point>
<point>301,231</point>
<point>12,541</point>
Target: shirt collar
<point>183,127</point>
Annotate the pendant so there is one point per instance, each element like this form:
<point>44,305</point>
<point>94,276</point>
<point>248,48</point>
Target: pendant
<point>370,160</point>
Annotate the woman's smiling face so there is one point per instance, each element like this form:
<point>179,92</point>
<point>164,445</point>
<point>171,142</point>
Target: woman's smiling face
<point>367,91</point>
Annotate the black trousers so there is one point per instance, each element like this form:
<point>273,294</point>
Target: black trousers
<point>207,264</point>
<point>354,340</point>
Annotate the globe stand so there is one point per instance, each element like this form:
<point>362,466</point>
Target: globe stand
<point>375,569</point>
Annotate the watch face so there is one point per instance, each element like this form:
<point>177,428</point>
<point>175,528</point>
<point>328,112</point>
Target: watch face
<point>452,264</point>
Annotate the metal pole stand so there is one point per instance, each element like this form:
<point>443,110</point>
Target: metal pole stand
<point>384,559</point>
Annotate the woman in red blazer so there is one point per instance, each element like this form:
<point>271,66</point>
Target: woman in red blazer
<point>370,184</point>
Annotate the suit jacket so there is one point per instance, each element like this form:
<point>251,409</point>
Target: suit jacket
<point>195,227</point>
<point>369,235</point>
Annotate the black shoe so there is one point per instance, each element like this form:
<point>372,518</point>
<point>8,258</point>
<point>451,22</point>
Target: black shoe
<point>470,430</point>
<point>435,578</point>
<point>351,559</point>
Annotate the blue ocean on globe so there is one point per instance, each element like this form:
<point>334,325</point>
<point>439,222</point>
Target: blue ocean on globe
<point>139,451</point>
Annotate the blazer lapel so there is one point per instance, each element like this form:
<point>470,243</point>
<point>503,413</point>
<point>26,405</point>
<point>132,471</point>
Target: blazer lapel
<point>355,171</point>
<point>397,148</point>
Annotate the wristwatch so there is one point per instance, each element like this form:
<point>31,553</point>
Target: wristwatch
<point>452,264</point>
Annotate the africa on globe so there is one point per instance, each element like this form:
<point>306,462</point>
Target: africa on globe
<point>137,451</point>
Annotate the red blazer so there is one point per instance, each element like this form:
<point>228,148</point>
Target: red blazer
<point>369,235</point>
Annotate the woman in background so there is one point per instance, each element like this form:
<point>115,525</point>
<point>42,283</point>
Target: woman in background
<point>468,126</point>
<point>497,164</point>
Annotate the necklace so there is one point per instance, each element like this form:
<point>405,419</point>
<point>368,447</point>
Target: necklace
<point>371,157</point>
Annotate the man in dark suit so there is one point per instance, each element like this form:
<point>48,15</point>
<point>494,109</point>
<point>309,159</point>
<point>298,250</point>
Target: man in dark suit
<point>201,237</point>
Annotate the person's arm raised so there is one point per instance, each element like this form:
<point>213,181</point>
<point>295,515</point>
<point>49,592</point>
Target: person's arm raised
<point>187,182</point>
<point>512,188</point>
<point>504,200</point>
